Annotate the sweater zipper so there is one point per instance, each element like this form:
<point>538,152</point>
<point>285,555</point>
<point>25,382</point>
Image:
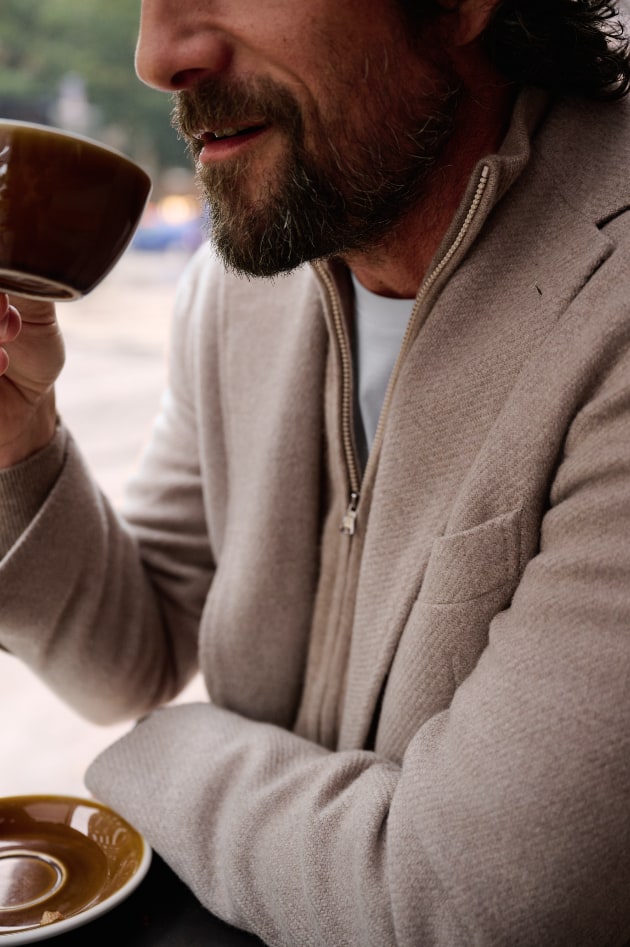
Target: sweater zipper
<point>354,479</point>
<point>349,521</point>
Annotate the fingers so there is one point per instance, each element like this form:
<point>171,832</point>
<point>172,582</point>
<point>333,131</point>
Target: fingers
<point>4,305</point>
<point>10,322</point>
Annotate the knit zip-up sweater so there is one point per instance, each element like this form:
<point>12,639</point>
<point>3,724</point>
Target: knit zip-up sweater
<point>420,727</point>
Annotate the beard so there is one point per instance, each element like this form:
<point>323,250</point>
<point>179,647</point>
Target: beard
<point>346,195</point>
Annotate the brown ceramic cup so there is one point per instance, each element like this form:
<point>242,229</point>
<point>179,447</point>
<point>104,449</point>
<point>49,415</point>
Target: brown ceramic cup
<point>69,207</point>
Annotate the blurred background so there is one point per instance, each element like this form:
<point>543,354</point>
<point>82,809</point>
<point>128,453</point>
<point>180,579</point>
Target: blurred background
<point>70,65</point>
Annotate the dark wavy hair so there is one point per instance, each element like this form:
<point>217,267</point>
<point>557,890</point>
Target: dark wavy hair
<point>571,46</point>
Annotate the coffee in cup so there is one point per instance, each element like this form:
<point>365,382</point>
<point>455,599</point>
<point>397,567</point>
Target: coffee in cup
<point>69,207</point>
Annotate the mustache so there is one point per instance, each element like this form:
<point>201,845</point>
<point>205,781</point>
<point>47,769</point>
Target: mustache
<point>218,103</point>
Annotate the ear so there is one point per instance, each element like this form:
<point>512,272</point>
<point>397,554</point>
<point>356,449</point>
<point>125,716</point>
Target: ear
<point>469,18</point>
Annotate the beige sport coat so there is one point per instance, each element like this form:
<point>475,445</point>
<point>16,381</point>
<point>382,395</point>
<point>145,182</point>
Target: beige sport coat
<point>419,733</point>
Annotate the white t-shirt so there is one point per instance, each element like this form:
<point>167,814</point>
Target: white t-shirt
<point>380,324</point>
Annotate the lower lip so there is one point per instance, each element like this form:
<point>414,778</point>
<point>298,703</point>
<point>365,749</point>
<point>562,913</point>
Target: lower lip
<point>221,148</point>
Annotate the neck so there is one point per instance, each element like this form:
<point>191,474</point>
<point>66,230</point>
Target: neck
<point>397,267</point>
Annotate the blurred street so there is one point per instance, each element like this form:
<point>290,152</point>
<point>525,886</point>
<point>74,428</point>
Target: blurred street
<point>108,394</point>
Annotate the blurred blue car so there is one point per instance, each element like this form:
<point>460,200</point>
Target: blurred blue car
<point>160,235</point>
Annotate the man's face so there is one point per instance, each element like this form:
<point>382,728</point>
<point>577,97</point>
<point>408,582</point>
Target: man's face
<point>338,122</point>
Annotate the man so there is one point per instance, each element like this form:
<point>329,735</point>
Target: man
<point>415,631</point>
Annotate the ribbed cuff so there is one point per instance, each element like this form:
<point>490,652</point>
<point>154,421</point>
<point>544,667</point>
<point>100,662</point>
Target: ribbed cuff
<point>24,487</point>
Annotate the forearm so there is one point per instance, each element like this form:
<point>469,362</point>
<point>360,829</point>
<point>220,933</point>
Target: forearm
<point>80,609</point>
<point>271,832</point>
<point>485,834</point>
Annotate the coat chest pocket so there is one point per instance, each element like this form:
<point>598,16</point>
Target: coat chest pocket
<point>464,566</point>
<point>470,577</point>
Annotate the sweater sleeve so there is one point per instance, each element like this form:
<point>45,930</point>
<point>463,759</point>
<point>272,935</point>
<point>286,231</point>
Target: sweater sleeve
<point>24,487</point>
<point>104,610</point>
<point>507,820</point>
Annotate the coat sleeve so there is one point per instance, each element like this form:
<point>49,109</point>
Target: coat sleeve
<point>105,609</point>
<point>507,820</point>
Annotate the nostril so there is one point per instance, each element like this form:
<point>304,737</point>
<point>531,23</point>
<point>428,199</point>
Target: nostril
<point>186,78</point>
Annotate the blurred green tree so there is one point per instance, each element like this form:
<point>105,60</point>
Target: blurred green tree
<point>46,44</point>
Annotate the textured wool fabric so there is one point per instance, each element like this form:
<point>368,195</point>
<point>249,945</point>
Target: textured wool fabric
<point>419,734</point>
<point>25,487</point>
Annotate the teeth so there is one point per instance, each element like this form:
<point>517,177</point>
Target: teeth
<point>225,133</point>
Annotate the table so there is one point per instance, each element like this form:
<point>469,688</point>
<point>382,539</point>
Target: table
<point>161,912</point>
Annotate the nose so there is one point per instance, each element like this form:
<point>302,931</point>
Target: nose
<point>179,45</point>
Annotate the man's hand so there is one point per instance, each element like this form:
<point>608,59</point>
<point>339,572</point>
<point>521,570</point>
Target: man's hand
<point>31,357</point>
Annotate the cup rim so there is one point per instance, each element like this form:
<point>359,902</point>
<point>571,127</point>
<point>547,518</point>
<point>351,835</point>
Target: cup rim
<point>70,136</point>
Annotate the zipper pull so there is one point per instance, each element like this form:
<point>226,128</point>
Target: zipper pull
<point>348,523</point>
